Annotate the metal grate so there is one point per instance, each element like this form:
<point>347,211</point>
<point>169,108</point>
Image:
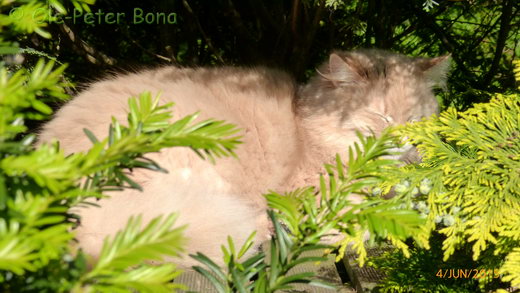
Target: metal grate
<point>364,279</point>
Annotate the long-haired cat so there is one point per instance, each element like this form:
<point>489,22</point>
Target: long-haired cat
<point>289,132</point>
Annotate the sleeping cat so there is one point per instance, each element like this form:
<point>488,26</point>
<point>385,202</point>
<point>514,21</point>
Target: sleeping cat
<point>289,132</point>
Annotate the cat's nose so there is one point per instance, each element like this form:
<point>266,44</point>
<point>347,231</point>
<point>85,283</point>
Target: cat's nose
<point>410,155</point>
<point>407,154</point>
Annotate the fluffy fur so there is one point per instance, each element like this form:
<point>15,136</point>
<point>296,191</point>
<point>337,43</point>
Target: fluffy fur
<point>289,132</point>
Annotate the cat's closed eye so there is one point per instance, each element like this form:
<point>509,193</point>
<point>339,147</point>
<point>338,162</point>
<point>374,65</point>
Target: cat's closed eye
<point>383,117</point>
<point>387,118</point>
<point>412,119</point>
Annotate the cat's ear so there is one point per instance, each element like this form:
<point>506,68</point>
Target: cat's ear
<point>435,69</point>
<point>340,71</point>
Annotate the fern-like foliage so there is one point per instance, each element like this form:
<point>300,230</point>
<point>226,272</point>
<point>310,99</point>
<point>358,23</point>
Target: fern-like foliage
<point>365,168</point>
<point>121,267</point>
<point>23,95</point>
<point>39,186</point>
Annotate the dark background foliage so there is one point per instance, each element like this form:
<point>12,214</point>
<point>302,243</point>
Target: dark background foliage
<point>296,35</point>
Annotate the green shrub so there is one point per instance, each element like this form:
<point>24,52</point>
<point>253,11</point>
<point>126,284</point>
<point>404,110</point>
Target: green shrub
<point>39,186</point>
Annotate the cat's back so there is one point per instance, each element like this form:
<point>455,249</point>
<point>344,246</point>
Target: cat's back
<point>244,96</point>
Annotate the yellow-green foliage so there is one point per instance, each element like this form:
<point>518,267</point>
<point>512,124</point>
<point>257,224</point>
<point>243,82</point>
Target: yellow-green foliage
<point>472,160</point>
<point>517,70</point>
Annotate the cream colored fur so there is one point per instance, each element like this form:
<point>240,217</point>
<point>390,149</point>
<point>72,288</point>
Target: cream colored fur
<point>289,132</point>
